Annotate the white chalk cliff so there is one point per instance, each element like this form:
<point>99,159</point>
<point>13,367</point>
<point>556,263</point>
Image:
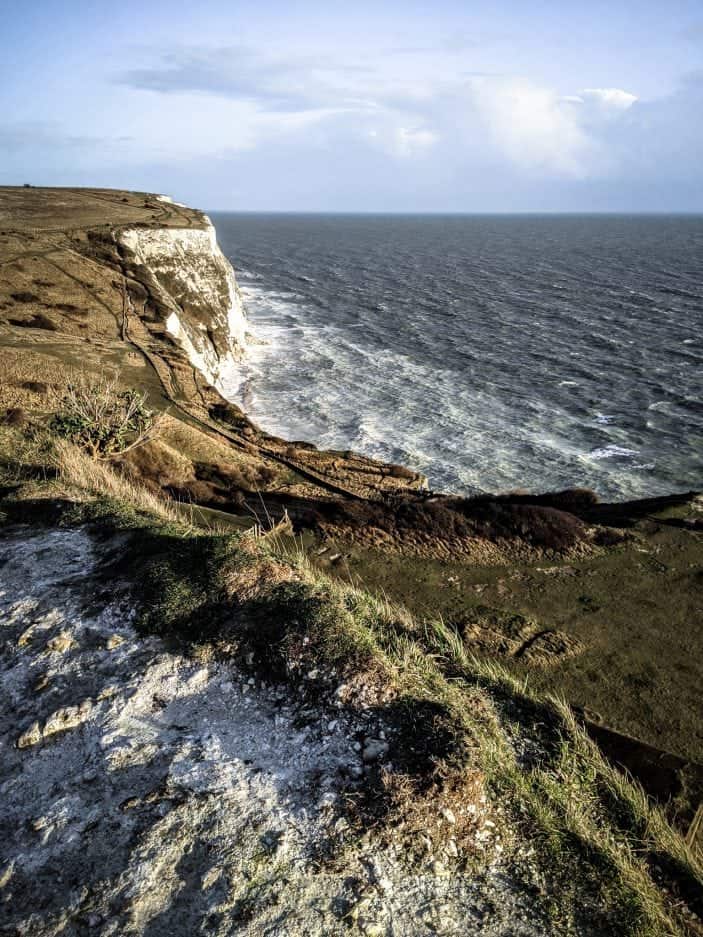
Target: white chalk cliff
<point>196,282</point>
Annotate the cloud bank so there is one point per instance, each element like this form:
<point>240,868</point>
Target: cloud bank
<point>583,133</point>
<point>413,116</point>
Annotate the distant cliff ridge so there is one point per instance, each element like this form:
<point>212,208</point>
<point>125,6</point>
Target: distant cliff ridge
<point>197,283</point>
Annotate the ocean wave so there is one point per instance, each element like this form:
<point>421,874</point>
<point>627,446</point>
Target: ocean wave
<point>612,451</point>
<point>456,352</point>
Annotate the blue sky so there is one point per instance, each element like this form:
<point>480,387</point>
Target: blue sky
<point>359,106</point>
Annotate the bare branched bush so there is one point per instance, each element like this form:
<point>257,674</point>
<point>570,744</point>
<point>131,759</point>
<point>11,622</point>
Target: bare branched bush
<point>102,419</point>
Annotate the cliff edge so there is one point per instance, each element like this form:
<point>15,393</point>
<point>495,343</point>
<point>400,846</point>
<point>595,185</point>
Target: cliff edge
<point>132,283</point>
<point>193,279</point>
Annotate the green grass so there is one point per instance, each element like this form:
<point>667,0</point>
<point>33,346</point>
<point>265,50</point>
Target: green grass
<point>454,718</point>
<point>632,608</point>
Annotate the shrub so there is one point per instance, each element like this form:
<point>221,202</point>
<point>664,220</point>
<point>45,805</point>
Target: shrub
<point>24,297</point>
<point>38,321</point>
<point>226,412</point>
<point>41,321</point>
<point>37,387</point>
<point>400,471</point>
<point>15,416</point>
<point>102,419</point>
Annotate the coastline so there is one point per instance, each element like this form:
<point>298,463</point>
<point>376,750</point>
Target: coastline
<point>218,592</point>
<point>212,455</point>
<point>419,385</point>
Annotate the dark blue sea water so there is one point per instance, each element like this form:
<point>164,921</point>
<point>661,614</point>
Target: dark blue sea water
<point>490,352</point>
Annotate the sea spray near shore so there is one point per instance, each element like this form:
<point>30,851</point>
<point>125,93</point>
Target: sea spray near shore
<point>488,353</point>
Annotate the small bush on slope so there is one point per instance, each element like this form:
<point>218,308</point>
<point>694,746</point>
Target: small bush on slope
<point>97,416</point>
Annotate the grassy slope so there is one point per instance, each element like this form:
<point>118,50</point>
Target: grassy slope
<point>71,300</point>
<point>633,608</point>
<point>606,857</point>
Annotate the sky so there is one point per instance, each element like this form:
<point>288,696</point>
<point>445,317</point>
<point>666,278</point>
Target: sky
<point>442,106</point>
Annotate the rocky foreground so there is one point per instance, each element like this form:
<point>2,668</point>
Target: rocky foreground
<point>147,792</point>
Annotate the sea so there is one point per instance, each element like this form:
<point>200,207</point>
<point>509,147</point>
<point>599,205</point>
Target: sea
<point>490,352</point>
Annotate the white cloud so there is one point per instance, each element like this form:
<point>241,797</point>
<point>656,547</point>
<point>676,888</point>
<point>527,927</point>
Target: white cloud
<point>243,97</point>
<point>213,102</point>
<point>533,127</point>
<point>601,107</point>
<point>614,98</point>
<point>392,133</point>
<point>410,141</point>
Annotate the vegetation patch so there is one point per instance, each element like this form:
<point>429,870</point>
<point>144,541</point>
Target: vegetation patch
<point>24,297</point>
<point>15,416</point>
<point>487,524</point>
<point>36,387</point>
<point>101,418</point>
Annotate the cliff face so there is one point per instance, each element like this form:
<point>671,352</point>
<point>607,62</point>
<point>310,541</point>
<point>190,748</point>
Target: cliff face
<point>196,282</point>
<point>133,284</point>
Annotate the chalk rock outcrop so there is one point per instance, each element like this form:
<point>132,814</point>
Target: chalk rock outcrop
<point>149,793</point>
<point>196,283</point>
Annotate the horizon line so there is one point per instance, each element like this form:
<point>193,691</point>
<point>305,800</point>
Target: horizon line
<point>440,213</point>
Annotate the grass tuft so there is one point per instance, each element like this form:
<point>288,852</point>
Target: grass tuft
<point>76,469</point>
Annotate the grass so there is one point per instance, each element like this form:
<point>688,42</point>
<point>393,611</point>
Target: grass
<point>77,470</point>
<point>576,798</point>
<point>458,724</point>
<point>632,609</point>
<point>55,469</point>
<point>589,824</point>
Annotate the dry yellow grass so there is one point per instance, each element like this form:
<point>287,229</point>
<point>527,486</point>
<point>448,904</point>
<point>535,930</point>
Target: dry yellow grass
<point>100,479</point>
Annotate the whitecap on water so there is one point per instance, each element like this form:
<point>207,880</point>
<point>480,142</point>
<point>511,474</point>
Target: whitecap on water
<point>613,452</point>
<point>402,341</point>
